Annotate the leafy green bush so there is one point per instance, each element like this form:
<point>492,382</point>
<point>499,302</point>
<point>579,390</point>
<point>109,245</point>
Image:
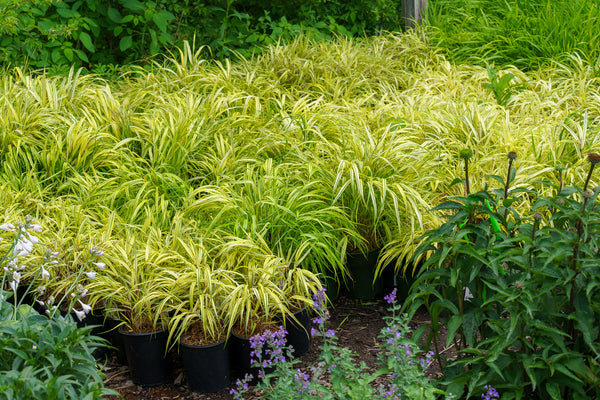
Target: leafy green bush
<point>523,33</point>
<point>55,33</point>
<point>47,358</point>
<point>518,294</point>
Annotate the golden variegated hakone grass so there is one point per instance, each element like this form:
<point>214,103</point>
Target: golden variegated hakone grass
<point>250,171</point>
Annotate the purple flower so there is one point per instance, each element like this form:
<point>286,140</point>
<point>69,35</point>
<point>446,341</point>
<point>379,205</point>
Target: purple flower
<point>303,380</point>
<point>390,298</point>
<point>330,333</point>
<point>320,300</point>
<point>492,393</point>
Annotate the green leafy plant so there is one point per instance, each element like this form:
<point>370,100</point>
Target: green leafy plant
<point>48,358</point>
<point>502,88</point>
<point>515,289</point>
<point>42,356</point>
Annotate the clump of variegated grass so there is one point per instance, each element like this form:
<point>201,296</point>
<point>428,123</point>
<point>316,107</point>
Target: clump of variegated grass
<point>378,122</point>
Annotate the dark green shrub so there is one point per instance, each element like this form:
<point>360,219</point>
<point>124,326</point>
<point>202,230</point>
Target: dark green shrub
<point>518,294</point>
<point>55,34</point>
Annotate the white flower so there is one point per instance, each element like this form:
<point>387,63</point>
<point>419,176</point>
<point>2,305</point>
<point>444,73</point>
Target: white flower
<point>91,274</point>
<point>80,314</point>
<point>86,308</point>
<point>13,285</point>
<point>468,294</point>
<point>17,277</point>
<point>36,227</point>
<point>7,227</point>
<point>100,265</point>
<point>23,247</point>
<point>45,273</point>
<point>83,293</point>
<point>33,239</point>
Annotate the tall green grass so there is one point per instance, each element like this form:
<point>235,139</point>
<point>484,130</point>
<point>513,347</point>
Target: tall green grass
<point>524,33</point>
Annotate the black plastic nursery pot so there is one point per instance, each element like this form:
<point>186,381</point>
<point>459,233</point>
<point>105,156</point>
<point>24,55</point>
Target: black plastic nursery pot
<point>362,285</point>
<point>240,356</point>
<point>207,368</point>
<point>149,364</point>
<point>298,332</point>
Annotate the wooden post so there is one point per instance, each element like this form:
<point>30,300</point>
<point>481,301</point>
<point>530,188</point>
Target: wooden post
<point>412,10</point>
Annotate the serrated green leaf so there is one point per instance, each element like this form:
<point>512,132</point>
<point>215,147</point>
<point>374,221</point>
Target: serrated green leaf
<point>86,40</point>
<point>161,20</point>
<point>553,390</point>
<point>125,43</point>
<point>81,54</point>
<point>69,54</point>
<point>133,5</point>
<point>114,15</point>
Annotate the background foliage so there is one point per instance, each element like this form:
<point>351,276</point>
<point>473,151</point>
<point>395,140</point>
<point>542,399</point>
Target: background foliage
<point>92,32</point>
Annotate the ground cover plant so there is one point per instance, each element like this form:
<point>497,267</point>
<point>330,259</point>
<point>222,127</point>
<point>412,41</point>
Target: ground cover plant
<point>197,164</point>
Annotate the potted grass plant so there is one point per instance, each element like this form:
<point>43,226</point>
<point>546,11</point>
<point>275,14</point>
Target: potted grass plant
<point>130,290</point>
<point>193,299</point>
<point>259,296</point>
<point>286,210</point>
<point>369,176</point>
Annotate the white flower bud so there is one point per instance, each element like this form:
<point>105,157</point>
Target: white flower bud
<point>100,265</point>
<point>32,238</point>
<point>91,274</point>
<point>80,314</point>
<point>86,308</point>
<point>36,227</point>
<point>45,273</point>
<point>7,227</point>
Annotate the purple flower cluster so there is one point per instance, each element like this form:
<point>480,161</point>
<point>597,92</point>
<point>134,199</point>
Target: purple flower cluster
<point>320,301</point>
<point>391,392</point>
<point>303,380</point>
<point>241,384</point>
<point>391,298</point>
<point>267,348</point>
<point>492,393</point>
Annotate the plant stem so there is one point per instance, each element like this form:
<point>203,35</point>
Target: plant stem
<point>507,185</point>
<point>467,185</point>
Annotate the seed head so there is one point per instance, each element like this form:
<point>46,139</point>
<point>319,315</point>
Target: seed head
<point>594,158</point>
<point>537,216</point>
<point>587,194</point>
<point>512,155</point>
<point>466,154</point>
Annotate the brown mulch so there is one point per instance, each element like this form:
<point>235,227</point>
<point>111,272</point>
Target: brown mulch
<point>357,325</point>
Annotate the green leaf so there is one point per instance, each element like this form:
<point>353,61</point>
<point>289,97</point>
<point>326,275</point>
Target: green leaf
<point>125,43</point>
<point>82,56</point>
<point>114,15</point>
<point>66,12</point>
<point>161,20</point>
<point>553,390</point>
<point>69,54</point>
<point>453,324</point>
<point>86,40</point>
<point>133,5</point>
